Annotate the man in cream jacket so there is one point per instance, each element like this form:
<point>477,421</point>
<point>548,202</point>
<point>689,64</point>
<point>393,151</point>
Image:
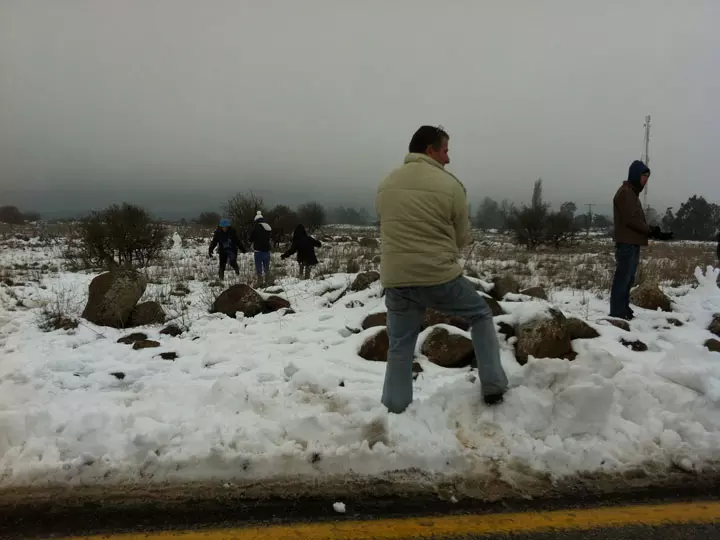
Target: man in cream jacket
<point>424,224</point>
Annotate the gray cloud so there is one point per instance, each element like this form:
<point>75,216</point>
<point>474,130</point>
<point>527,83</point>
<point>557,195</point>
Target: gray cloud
<point>320,97</point>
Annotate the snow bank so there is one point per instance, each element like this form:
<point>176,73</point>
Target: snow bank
<point>274,396</point>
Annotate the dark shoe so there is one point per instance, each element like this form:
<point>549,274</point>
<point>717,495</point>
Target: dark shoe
<point>493,399</point>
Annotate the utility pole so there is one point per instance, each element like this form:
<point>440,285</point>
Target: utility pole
<point>589,221</point>
<point>646,156</point>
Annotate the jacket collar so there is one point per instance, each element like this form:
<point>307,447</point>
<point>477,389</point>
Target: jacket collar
<point>413,157</point>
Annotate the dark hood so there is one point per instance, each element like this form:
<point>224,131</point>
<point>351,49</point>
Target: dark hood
<point>637,169</point>
<point>299,232</point>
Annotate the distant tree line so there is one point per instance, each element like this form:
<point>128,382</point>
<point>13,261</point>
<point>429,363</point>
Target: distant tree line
<point>13,216</point>
<point>536,225</point>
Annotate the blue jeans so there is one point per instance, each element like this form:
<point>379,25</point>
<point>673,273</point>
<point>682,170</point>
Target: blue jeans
<point>627,258</point>
<point>262,262</point>
<point>406,312</point>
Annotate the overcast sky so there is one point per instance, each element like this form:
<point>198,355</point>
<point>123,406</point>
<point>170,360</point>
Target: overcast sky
<point>147,99</point>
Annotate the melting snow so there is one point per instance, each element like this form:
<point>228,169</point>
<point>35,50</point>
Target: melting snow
<point>281,395</point>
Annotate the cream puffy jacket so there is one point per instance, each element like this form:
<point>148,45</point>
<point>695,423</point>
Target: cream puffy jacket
<point>424,224</point>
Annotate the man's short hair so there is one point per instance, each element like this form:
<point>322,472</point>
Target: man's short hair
<point>427,136</point>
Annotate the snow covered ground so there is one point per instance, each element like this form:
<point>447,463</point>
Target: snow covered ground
<point>278,396</point>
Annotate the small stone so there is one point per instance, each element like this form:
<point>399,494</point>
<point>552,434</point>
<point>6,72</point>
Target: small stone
<point>132,338</point>
<point>118,375</point>
<point>619,323</point>
<point>171,330</point>
<point>145,344</point>
<point>168,355</point>
<point>637,346</point>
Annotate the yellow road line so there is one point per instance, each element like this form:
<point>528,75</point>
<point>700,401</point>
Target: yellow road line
<point>678,513</point>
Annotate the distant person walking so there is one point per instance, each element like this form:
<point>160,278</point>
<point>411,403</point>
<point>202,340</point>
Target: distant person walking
<point>424,223</point>
<point>260,240</point>
<point>228,244</point>
<point>304,245</point>
<point>631,231</point>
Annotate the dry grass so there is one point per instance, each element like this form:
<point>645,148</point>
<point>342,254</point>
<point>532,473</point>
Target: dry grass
<point>587,267</point>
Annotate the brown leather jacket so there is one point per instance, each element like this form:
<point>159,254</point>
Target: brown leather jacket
<point>629,217</point>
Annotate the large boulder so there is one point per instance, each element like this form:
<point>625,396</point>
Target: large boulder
<point>368,243</point>
<point>504,285</point>
<point>448,350</point>
<point>376,347</point>
<point>374,319</point>
<point>715,325</point>
<point>433,317</point>
<point>649,296</point>
<point>544,338</point>
<point>713,345</point>
<point>112,297</point>
<point>364,280</point>
<point>146,314</point>
<point>493,305</point>
<point>535,292</point>
<point>275,303</point>
<point>579,329</point>
<point>240,297</point>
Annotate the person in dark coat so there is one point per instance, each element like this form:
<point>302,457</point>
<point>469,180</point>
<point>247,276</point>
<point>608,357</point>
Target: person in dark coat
<point>260,238</point>
<point>304,245</point>
<point>228,244</point>
<point>631,231</point>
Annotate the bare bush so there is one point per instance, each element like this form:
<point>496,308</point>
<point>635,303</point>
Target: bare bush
<point>241,210</point>
<point>207,219</point>
<point>283,221</point>
<point>560,230</point>
<point>119,236</point>
<point>312,215</point>
<point>59,313</point>
<point>528,226</point>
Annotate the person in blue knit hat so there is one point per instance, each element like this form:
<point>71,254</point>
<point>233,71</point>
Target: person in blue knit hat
<point>228,244</point>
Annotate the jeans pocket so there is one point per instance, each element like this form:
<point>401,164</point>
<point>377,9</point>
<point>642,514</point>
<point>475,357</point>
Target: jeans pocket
<point>395,300</point>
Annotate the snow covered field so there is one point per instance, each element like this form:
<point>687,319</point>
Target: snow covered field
<point>282,395</point>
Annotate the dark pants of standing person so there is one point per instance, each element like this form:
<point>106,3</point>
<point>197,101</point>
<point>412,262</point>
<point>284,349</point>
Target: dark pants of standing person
<point>627,258</point>
<point>228,257</point>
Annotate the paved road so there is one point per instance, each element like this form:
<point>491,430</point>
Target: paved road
<point>688,519</point>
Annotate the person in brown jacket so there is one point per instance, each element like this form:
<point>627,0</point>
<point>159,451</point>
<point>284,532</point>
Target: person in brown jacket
<point>630,232</point>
